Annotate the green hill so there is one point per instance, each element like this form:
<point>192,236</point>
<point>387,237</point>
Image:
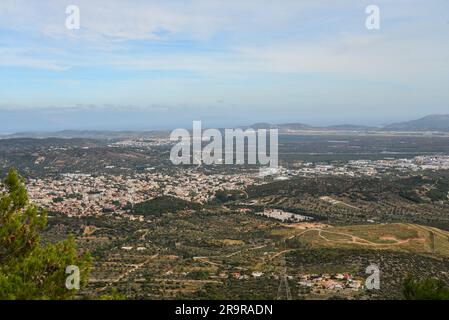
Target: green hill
<point>164,204</point>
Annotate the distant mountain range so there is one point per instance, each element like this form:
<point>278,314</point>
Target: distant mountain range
<point>437,123</point>
<point>428,123</point>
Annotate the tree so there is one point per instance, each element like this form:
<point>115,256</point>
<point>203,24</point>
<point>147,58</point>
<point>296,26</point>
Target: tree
<point>28,268</point>
<point>427,289</point>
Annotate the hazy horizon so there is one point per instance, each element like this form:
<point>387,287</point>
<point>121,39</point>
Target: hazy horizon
<point>135,119</point>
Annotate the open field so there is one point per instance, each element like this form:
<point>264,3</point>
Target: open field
<point>397,237</point>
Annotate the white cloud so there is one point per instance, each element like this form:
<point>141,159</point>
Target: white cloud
<point>24,58</point>
<point>378,56</point>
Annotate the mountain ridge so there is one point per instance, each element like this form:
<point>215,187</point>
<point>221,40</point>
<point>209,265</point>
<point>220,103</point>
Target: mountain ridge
<point>429,123</point>
<point>434,122</point>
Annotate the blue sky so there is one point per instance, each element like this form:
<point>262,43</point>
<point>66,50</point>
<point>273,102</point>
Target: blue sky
<point>158,64</point>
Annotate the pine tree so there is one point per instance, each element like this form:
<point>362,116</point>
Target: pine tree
<point>30,269</point>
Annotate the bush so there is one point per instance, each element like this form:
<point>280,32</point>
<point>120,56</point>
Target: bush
<point>427,289</point>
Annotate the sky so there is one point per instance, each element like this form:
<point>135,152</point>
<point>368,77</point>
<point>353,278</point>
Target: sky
<point>140,65</point>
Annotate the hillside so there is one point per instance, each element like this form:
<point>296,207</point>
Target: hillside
<point>164,204</point>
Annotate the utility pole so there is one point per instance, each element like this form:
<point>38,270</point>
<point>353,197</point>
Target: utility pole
<point>284,282</point>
